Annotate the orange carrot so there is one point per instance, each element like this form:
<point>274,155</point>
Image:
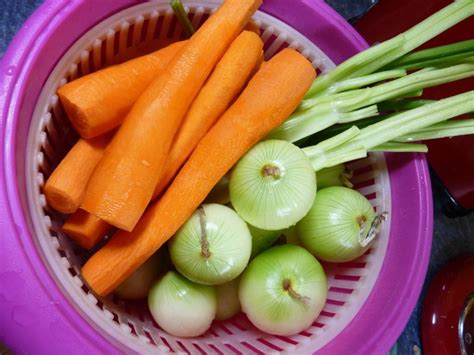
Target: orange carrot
<point>98,102</point>
<point>85,229</point>
<point>64,189</point>
<point>252,26</point>
<point>269,98</point>
<point>223,86</point>
<point>123,183</point>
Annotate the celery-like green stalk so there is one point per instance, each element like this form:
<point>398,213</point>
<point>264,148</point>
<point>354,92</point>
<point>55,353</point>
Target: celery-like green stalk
<point>331,143</point>
<point>402,105</point>
<point>384,53</point>
<point>357,83</point>
<point>183,18</point>
<point>467,57</point>
<point>400,148</point>
<point>440,130</point>
<point>395,126</point>
<point>329,110</point>
<point>413,60</point>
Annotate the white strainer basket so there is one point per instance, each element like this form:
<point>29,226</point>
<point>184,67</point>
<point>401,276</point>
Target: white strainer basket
<point>135,31</point>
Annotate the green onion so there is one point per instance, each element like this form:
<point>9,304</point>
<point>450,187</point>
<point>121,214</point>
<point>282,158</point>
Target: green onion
<point>434,56</point>
<point>384,53</point>
<point>401,105</point>
<point>440,130</point>
<point>391,128</point>
<point>337,175</point>
<point>182,16</point>
<point>329,110</point>
<point>400,148</point>
<point>360,82</point>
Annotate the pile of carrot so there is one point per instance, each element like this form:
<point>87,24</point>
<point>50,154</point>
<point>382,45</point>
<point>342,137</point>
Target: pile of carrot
<point>185,115</point>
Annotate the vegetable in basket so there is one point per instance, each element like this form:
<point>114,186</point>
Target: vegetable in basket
<point>269,98</point>
<point>340,226</point>
<point>122,185</point>
<point>98,102</point>
<point>64,189</point>
<point>138,284</point>
<point>224,84</point>
<point>235,133</point>
<point>273,186</point>
<point>213,247</point>
<point>283,290</point>
<point>182,307</point>
<point>228,304</point>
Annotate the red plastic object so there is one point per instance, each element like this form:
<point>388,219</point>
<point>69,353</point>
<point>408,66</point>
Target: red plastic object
<point>447,296</point>
<point>451,159</point>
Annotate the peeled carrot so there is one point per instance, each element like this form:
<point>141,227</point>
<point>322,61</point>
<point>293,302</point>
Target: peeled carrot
<point>269,98</point>
<point>123,183</point>
<point>223,86</point>
<point>85,229</point>
<point>252,26</point>
<point>64,189</point>
<point>98,102</point>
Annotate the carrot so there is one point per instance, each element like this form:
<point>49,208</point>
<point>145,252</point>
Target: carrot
<point>123,183</point>
<point>64,189</point>
<point>223,86</point>
<point>252,26</point>
<point>269,98</point>
<point>98,102</point>
<point>225,83</point>
<point>85,229</point>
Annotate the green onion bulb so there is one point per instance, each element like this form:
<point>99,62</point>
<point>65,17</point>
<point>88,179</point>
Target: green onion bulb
<point>283,290</point>
<point>262,239</point>
<point>340,226</point>
<point>273,186</point>
<point>220,193</point>
<point>213,246</point>
<point>337,175</point>
<point>292,237</point>
<point>137,285</point>
<point>228,304</point>
<point>181,307</point>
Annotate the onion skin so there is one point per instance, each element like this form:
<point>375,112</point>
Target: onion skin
<point>181,307</point>
<point>228,249</point>
<point>262,239</point>
<point>331,229</point>
<point>228,304</point>
<point>273,308</point>
<point>137,285</point>
<point>273,186</point>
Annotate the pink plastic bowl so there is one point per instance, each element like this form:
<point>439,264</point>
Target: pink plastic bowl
<point>36,316</point>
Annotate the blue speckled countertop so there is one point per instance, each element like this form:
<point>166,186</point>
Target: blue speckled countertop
<point>452,237</point>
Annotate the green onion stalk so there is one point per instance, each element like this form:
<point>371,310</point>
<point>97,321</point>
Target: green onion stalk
<point>405,126</point>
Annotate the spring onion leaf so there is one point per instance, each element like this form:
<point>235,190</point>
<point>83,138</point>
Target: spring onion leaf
<point>322,114</point>
<point>384,53</point>
<point>440,130</point>
<point>395,126</point>
<point>183,18</point>
<point>400,148</point>
<point>419,59</point>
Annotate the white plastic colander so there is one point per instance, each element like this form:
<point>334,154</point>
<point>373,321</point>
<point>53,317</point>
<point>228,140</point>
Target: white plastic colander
<point>135,31</point>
